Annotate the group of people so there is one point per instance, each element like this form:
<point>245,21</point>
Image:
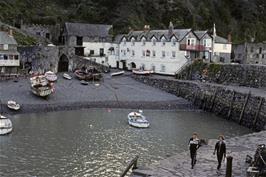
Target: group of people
<point>219,149</point>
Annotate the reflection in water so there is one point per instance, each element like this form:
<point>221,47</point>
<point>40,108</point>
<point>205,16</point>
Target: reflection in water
<point>99,142</point>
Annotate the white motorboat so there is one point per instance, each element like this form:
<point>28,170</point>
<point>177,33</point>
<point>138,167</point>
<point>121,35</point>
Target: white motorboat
<point>50,76</point>
<point>5,125</point>
<point>67,76</point>
<point>117,73</point>
<point>143,72</point>
<point>136,119</point>
<point>13,105</point>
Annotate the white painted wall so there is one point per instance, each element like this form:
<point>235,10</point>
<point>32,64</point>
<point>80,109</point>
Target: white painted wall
<point>222,48</point>
<point>9,62</point>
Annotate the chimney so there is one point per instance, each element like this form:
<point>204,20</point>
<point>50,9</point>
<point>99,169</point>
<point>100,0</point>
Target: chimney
<point>171,28</point>
<point>229,37</point>
<point>146,28</point>
<point>10,32</point>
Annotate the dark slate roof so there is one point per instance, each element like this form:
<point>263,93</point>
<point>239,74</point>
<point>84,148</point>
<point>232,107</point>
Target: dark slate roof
<point>221,40</point>
<point>83,29</point>
<point>179,33</point>
<point>6,39</point>
<point>118,38</point>
<point>200,34</point>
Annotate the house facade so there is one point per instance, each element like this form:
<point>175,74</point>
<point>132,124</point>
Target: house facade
<point>9,56</point>
<point>250,53</point>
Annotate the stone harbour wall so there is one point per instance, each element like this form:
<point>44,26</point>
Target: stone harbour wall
<point>232,104</point>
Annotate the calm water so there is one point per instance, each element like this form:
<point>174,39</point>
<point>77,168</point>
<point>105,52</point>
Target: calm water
<point>99,142</point>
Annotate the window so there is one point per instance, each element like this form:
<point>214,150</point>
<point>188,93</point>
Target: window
<point>207,43</point>
<point>1,56</point>
<point>153,67</point>
<point>262,56</point>
<point>11,57</point>
<point>16,57</point>
<point>133,42</point>
<point>173,41</point>
<point>260,50</point>
<point>91,52</point>
<point>124,52</point>
<point>133,53</point>
<point>101,52</point>
<point>143,53</point>
<point>153,41</point>
<point>225,46</point>
<point>173,54</point>
<point>163,54</point>
<point>162,68</point>
<point>79,41</point>
<point>143,40</point>
<point>257,56</point>
<point>148,53</point>
<point>5,57</point>
<point>163,40</point>
<point>154,53</point>
<point>38,33</point>
<point>191,41</point>
<point>47,35</point>
<point>5,46</point>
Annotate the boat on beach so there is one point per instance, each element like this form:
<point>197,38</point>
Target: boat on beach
<point>136,119</point>
<point>84,82</point>
<point>67,76</point>
<point>50,76</point>
<point>13,105</point>
<point>142,72</point>
<point>91,74</point>
<point>5,125</point>
<point>117,73</point>
<point>40,86</point>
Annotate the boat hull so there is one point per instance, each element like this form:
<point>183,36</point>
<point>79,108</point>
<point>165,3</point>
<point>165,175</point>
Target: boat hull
<point>5,126</point>
<point>66,76</point>
<point>140,122</point>
<point>13,105</point>
<point>147,72</point>
<point>117,73</point>
<point>42,91</point>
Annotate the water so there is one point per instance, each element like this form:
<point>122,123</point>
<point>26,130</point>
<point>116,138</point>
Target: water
<point>99,142</point>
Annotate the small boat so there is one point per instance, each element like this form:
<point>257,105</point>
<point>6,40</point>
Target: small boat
<point>84,82</point>
<point>13,105</point>
<point>88,74</point>
<point>143,72</point>
<point>5,125</point>
<point>50,76</point>
<point>40,86</point>
<point>136,119</point>
<point>117,73</point>
<point>67,76</point>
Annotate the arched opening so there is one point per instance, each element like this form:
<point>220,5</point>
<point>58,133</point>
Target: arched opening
<point>133,65</point>
<point>63,64</point>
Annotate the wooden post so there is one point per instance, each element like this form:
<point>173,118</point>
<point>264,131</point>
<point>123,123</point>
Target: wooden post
<point>229,165</point>
<point>243,108</point>
<point>213,99</point>
<point>258,112</point>
<point>231,105</point>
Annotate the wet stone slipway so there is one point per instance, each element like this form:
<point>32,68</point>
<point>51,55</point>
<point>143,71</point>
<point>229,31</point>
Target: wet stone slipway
<point>179,165</point>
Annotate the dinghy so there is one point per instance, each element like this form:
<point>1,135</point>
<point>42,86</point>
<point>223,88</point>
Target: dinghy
<point>117,73</point>
<point>50,76</point>
<point>5,125</point>
<point>40,86</point>
<point>84,82</point>
<point>13,105</point>
<point>136,119</point>
<point>67,76</point>
<point>143,72</point>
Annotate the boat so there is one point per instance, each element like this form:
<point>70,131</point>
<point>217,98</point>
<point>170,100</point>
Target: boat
<point>84,82</point>
<point>88,74</point>
<point>142,72</point>
<point>5,125</point>
<point>50,76</point>
<point>117,73</point>
<point>40,86</point>
<point>13,105</point>
<point>67,76</point>
<point>136,119</point>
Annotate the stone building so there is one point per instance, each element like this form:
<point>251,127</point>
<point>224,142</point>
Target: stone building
<point>250,53</point>
<point>9,56</point>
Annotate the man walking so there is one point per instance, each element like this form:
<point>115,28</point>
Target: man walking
<point>220,150</point>
<point>194,145</point>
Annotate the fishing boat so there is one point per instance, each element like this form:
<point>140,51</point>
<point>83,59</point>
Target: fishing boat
<point>13,105</point>
<point>84,82</point>
<point>136,119</point>
<point>5,125</point>
<point>50,76</point>
<point>67,76</point>
<point>142,72</point>
<point>40,86</point>
<point>117,73</point>
<point>88,74</point>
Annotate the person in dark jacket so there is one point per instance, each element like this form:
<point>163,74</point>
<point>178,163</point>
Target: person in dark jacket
<point>194,144</point>
<point>220,150</point>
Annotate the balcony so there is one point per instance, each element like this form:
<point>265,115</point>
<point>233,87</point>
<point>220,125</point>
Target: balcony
<point>9,62</point>
<point>199,48</point>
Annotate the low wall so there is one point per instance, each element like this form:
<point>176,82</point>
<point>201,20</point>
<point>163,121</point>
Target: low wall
<point>244,108</point>
<point>228,74</point>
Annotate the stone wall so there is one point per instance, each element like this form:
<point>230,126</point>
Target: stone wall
<point>246,109</point>
<point>228,74</point>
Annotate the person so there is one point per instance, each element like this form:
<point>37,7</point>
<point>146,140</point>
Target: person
<point>220,150</point>
<point>194,144</point>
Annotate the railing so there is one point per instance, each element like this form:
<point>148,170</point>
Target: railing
<point>193,47</point>
<point>9,62</point>
<point>133,164</point>
<point>184,66</point>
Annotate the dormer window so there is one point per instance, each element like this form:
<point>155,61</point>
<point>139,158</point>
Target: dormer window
<point>133,42</point>
<point>153,41</point>
<point>173,41</point>
<point>124,41</point>
<point>163,40</point>
<point>143,40</point>
<point>191,41</point>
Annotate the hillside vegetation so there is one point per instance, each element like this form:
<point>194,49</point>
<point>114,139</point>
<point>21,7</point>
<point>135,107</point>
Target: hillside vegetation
<point>245,19</point>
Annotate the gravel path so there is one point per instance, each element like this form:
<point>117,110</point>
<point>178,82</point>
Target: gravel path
<point>117,92</point>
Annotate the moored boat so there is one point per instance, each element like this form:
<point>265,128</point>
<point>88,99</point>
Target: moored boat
<point>142,72</point>
<point>88,74</point>
<point>84,82</point>
<point>67,76</point>
<point>5,125</point>
<point>13,105</point>
<point>136,119</point>
<point>40,86</point>
<point>50,76</point>
<point>117,73</point>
